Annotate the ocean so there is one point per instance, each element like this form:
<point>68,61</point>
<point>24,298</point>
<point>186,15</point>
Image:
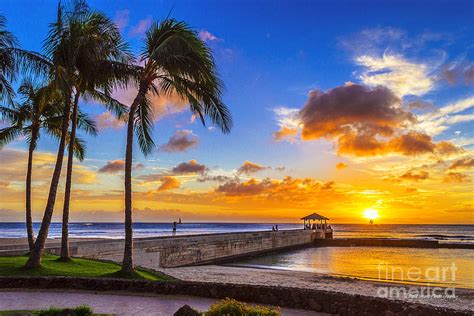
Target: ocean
<point>443,233</point>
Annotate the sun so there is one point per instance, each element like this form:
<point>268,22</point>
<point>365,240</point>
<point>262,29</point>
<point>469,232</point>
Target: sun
<point>371,214</point>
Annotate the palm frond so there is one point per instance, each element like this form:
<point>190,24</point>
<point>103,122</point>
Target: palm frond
<point>86,123</point>
<point>143,124</point>
<point>9,134</point>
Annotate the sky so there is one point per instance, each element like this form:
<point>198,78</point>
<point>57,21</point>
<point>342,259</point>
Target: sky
<point>339,107</point>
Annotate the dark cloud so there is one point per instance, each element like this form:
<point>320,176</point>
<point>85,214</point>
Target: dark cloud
<point>366,121</point>
<point>352,108</point>
<point>249,167</point>
<point>191,166</point>
<point>218,178</point>
<point>341,166</point>
<point>181,141</point>
<point>465,163</point>
<point>113,166</point>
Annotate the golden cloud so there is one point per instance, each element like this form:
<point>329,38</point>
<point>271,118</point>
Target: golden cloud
<point>249,167</point>
<point>456,177</point>
<point>465,163</point>
<point>169,183</point>
<point>341,166</point>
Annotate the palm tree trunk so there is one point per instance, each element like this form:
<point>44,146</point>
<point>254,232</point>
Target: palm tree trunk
<point>29,221</point>
<point>34,259</point>
<point>67,194</point>
<point>127,264</point>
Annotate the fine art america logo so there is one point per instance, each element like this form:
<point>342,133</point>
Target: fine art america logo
<point>430,275</point>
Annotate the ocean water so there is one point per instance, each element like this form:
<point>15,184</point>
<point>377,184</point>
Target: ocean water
<point>386,264</point>
<point>443,233</point>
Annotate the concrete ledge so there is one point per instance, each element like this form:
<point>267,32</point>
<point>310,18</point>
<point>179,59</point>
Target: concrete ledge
<point>317,300</point>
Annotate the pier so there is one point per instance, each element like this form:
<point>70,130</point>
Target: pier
<point>178,251</point>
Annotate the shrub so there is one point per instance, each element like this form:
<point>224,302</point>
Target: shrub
<point>77,311</point>
<point>231,307</point>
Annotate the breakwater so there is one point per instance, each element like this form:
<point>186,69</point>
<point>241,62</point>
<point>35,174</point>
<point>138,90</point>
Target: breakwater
<point>178,251</point>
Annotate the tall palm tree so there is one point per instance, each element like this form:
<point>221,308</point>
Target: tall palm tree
<point>99,63</point>
<point>174,60</point>
<point>39,110</point>
<point>72,46</point>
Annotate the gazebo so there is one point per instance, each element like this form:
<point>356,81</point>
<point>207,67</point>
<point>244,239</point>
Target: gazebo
<point>314,217</point>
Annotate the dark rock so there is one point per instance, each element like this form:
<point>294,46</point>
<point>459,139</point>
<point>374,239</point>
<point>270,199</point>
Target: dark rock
<point>186,310</point>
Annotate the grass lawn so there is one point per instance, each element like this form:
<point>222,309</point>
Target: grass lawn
<point>53,311</point>
<point>77,267</point>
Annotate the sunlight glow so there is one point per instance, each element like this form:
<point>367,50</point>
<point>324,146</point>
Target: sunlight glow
<point>370,213</point>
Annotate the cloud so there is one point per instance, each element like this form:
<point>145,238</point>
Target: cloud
<point>141,27</point>
<point>458,72</point>
<point>366,121</point>
<point>121,18</point>
<point>107,120</point>
<point>286,133</point>
<point>164,104</point>
<point>274,188</point>
<point>465,163</point>
<point>341,166</point>
<point>250,168</point>
<point>415,175</point>
<point>440,120</point>
<point>456,177</point>
<point>218,178</point>
<point>352,108</point>
<point>206,36</point>
<point>182,140</point>
<point>396,73</point>
<point>113,166</point>
<point>169,183</point>
<point>189,167</point>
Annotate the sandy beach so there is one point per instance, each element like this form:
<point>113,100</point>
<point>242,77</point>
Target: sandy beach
<point>227,274</point>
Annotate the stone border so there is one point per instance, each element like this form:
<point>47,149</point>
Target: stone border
<point>310,299</point>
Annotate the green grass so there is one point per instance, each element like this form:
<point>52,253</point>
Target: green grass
<point>53,311</point>
<point>76,267</point>
<point>231,307</point>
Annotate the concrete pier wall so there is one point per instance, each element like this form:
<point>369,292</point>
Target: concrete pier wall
<point>188,250</point>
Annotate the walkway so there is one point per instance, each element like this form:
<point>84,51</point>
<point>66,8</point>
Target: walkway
<point>115,304</point>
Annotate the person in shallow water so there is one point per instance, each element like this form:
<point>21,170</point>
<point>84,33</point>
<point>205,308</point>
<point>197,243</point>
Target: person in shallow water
<point>174,227</point>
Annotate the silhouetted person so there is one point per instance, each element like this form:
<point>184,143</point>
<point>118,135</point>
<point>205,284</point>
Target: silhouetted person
<point>174,228</point>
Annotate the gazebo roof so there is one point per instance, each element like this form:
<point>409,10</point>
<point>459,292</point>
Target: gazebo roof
<point>315,216</point>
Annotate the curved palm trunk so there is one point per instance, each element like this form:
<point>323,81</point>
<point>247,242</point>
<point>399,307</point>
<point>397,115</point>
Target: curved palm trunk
<point>127,263</point>
<point>34,259</point>
<point>67,193</point>
<point>29,220</point>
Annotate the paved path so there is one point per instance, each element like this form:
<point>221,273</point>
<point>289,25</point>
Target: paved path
<point>116,304</point>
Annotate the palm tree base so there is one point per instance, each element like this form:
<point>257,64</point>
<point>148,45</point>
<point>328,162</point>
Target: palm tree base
<point>65,259</point>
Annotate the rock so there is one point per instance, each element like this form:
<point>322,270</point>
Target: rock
<point>186,310</point>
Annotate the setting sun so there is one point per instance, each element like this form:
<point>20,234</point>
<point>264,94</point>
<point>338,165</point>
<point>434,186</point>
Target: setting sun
<point>370,213</point>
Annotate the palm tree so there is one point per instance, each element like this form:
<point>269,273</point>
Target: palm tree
<point>8,68</point>
<point>40,109</point>
<point>99,63</point>
<point>174,60</point>
<point>72,46</point>
<point>12,59</point>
